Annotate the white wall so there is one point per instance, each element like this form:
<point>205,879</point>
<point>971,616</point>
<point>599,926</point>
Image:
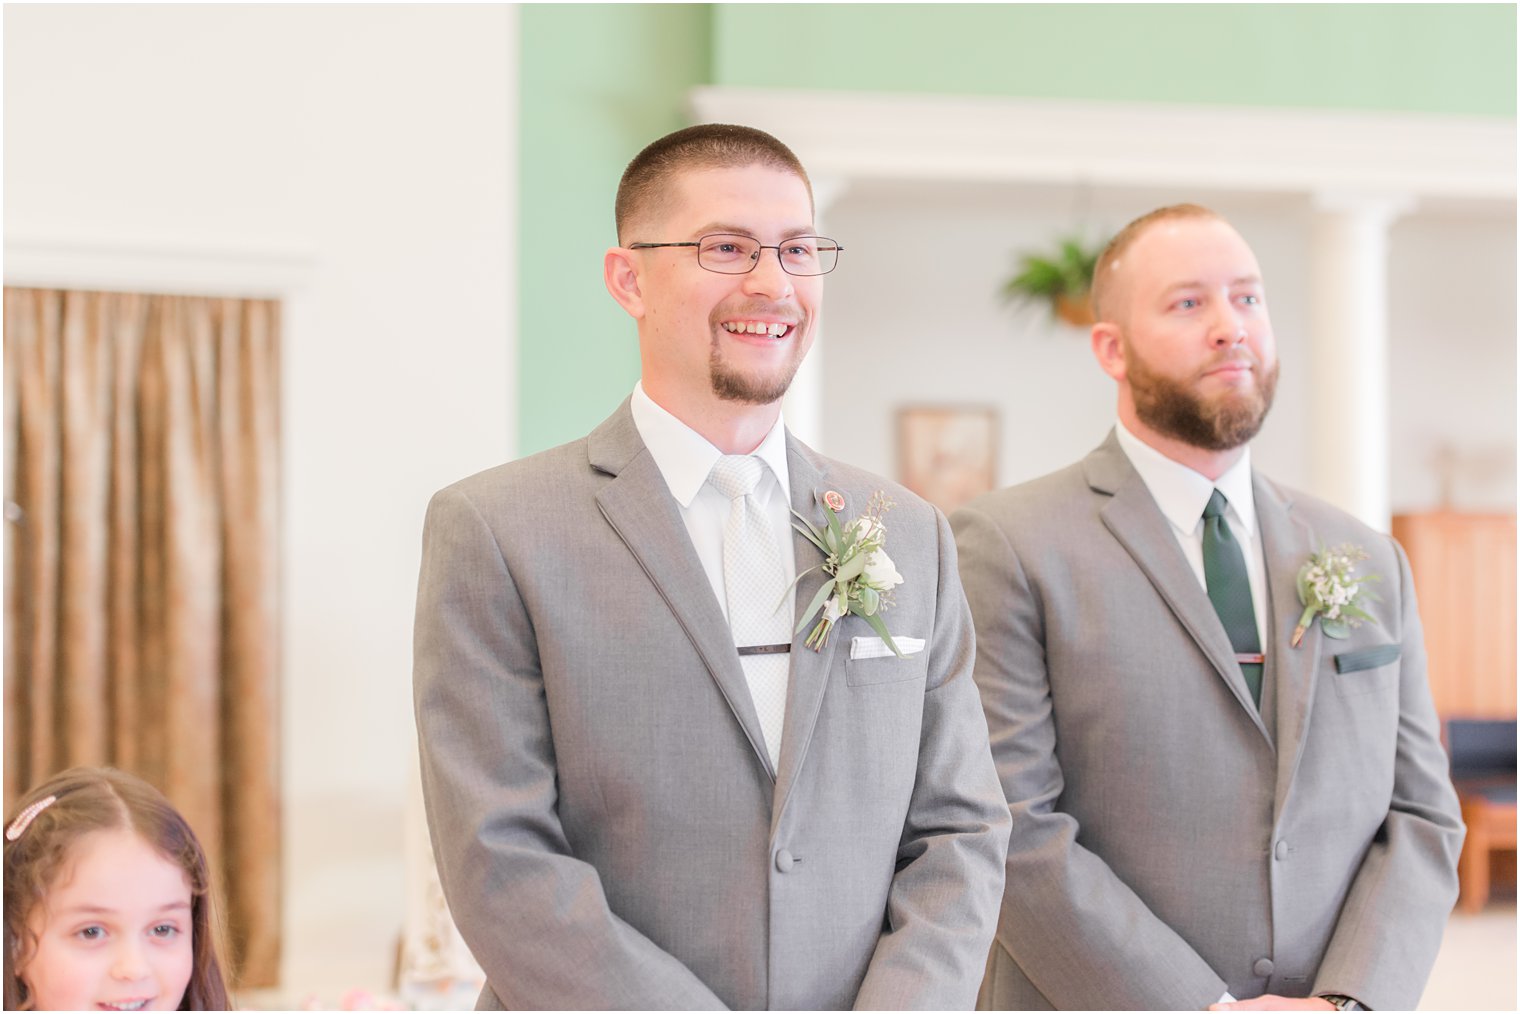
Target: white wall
<point>371,149</point>
<point>914,317</point>
<point>1452,278</point>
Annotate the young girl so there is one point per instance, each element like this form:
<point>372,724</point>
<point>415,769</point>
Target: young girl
<point>107,900</point>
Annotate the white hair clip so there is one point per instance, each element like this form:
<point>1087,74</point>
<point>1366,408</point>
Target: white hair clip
<point>25,817</point>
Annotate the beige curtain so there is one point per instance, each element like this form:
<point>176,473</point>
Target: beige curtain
<point>141,486</point>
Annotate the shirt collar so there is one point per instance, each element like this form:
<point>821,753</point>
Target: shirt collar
<point>1182,493</point>
<point>685,457</point>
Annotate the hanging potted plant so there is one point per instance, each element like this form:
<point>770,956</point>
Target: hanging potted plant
<point>1062,279</point>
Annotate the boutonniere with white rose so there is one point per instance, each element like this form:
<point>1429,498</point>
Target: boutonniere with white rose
<point>861,573</point>
<point>1330,588</point>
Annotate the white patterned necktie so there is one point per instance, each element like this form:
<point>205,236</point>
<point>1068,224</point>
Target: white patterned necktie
<point>754,580</point>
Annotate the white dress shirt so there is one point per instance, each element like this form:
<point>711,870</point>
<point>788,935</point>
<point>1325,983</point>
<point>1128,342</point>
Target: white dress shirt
<point>1182,493</point>
<point>684,458</point>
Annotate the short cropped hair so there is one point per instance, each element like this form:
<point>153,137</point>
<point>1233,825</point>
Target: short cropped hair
<point>1102,284</point>
<point>646,181</point>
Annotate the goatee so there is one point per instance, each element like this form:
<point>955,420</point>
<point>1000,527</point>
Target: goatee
<point>731,385</point>
<point>1174,408</point>
<point>757,388</point>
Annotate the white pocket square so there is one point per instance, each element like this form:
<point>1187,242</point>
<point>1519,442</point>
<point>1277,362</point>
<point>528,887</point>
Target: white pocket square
<point>875,647</point>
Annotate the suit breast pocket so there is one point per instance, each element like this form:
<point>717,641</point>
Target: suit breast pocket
<point>1367,670</point>
<point>871,672</point>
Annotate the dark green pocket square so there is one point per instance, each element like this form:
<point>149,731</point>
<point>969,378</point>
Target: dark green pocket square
<point>1367,658</point>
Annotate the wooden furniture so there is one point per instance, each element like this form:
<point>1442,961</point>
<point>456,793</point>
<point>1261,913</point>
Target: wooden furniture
<point>1483,756</point>
<point>1464,575</point>
<point>1490,829</point>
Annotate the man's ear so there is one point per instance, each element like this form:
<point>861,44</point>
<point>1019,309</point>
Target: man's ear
<point>622,280</point>
<point>1108,348</point>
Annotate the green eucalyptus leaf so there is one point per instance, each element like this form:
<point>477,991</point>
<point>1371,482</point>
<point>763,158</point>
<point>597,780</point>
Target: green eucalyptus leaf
<point>852,568</point>
<point>798,579</point>
<point>814,606</point>
<point>1357,613</point>
<point>1303,585</point>
<point>834,529</point>
<point>807,532</point>
<point>1338,629</point>
<point>881,631</point>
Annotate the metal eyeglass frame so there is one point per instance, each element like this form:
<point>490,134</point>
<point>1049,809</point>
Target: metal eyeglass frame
<point>755,261</point>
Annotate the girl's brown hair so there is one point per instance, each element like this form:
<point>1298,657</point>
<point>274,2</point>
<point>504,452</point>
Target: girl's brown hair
<point>103,799</point>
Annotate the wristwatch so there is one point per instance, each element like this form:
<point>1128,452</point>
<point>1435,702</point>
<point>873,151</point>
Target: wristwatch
<point>1341,1001</point>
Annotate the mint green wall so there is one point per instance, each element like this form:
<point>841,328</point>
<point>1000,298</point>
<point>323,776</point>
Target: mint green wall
<point>601,81</point>
<point>1439,58</point>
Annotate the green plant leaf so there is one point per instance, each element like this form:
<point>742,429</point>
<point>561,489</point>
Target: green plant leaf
<point>1037,279</point>
<point>834,529</point>
<point>1043,277</point>
<point>1338,629</point>
<point>852,568</point>
<point>1303,584</point>
<point>1357,613</point>
<point>807,532</point>
<point>798,579</point>
<point>881,631</point>
<point>814,606</point>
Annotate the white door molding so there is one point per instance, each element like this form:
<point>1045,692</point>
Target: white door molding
<point>852,135</point>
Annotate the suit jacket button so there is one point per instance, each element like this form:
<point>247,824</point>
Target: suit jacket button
<point>1281,852</point>
<point>784,861</point>
<point>1263,967</point>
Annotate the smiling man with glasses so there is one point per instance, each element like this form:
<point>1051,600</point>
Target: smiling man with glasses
<point>647,786</point>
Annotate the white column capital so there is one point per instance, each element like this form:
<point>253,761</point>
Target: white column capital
<point>1383,208</point>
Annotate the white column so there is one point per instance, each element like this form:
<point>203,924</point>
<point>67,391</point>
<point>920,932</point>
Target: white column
<point>803,405</point>
<point>1349,359</point>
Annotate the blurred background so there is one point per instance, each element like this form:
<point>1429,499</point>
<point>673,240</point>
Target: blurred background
<point>384,228</point>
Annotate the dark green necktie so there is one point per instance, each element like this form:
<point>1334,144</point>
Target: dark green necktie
<point>1224,571</point>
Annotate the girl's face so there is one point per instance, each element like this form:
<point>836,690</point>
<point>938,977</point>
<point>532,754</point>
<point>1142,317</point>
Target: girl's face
<point>114,930</point>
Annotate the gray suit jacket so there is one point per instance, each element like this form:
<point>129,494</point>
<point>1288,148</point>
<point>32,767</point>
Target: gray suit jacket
<point>1170,840</point>
<point>608,828</point>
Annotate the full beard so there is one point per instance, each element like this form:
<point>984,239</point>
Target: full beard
<point>1174,409</point>
<point>754,388</point>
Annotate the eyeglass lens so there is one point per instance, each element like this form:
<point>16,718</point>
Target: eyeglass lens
<point>736,255</point>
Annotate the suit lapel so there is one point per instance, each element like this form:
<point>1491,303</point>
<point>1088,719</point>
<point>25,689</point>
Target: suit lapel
<point>1286,543</point>
<point>1134,519</point>
<point>810,669</point>
<point>638,505</point>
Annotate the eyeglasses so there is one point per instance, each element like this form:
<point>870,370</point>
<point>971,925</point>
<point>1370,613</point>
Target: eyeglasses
<point>738,255</point>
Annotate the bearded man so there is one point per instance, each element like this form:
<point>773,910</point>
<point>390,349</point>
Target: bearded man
<point>1219,796</point>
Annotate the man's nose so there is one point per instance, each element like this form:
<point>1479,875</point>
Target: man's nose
<point>1227,328</point>
<point>768,278</point>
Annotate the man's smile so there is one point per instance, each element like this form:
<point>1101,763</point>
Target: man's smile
<point>773,329</point>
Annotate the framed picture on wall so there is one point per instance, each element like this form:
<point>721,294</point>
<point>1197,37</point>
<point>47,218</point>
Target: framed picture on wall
<point>947,454</point>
